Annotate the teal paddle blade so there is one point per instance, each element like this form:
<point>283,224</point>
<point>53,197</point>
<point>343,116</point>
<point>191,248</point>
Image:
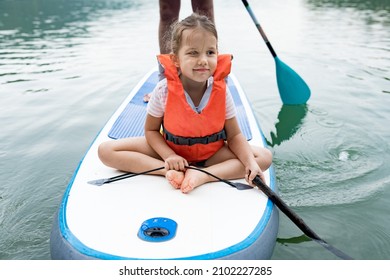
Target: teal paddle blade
<point>292,88</point>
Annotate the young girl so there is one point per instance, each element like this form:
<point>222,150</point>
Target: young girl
<point>197,114</point>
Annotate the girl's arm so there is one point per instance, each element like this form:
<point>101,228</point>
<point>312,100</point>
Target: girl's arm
<point>157,142</point>
<point>241,148</point>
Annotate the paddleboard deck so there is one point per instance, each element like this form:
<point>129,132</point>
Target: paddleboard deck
<point>144,217</point>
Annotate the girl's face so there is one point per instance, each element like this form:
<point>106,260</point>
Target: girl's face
<point>197,56</point>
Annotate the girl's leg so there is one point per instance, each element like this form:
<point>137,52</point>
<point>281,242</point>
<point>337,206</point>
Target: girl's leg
<point>130,155</point>
<point>175,178</point>
<point>224,164</point>
<point>229,169</point>
<point>262,156</point>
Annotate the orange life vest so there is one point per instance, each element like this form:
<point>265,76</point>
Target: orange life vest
<point>195,136</point>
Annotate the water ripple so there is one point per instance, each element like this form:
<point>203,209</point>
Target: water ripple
<point>342,168</point>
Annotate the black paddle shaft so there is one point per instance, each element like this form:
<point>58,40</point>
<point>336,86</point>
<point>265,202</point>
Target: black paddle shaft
<point>285,208</point>
<point>296,219</point>
<point>262,33</point>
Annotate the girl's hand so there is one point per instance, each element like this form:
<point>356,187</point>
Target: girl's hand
<point>175,162</point>
<point>251,172</point>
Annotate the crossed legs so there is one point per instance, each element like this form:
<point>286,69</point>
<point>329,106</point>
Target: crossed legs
<point>135,155</point>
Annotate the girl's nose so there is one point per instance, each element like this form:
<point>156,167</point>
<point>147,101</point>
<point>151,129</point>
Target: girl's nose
<point>202,60</point>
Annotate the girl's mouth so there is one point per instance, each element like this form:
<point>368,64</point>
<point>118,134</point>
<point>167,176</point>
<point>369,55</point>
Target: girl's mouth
<point>201,70</point>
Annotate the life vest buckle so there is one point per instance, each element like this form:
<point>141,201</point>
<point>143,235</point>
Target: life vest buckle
<point>189,141</point>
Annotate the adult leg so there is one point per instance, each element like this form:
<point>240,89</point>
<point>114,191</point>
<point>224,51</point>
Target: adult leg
<point>204,7</point>
<point>169,13</point>
<point>130,155</point>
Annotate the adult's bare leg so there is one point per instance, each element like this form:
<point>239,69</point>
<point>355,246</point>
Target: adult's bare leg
<point>169,13</point>
<point>204,7</point>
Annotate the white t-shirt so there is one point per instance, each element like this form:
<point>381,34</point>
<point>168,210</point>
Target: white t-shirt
<point>158,100</point>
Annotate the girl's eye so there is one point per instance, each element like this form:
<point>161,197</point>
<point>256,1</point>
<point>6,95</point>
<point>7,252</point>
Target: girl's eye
<point>210,52</point>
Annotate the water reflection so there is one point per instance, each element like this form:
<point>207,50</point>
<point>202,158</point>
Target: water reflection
<point>29,18</point>
<point>370,11</point>
<point>290,119</point>
<point>375,5</point>
<point>293,240</point>
<point>38,37</point>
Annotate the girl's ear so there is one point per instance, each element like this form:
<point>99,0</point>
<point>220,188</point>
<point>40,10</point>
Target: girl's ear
<point>175,59</point>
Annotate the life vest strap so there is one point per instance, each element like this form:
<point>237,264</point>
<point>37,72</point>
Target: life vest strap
<point>189,141</point>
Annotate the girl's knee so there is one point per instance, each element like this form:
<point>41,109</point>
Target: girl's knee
<point>263,157</point>
<point>105,151</point>
<point>268,156</point>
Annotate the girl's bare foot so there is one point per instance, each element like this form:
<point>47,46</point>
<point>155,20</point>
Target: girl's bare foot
<point>193,179</point>
<point>175,178</point>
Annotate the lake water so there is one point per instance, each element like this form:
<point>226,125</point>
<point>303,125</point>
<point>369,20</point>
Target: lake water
<point>66,65</point>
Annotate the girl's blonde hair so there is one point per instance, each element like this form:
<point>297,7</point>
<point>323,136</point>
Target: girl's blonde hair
<point>194,21</point>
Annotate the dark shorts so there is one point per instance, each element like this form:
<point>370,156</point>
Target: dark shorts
<point>199,164</point>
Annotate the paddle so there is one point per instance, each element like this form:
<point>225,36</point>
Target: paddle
<point>292,88</point>
<point>240,186</point>
<point>296,219</point>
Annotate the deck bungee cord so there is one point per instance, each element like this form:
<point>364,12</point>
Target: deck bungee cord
<point>100,182</point>
<point>298,221</point>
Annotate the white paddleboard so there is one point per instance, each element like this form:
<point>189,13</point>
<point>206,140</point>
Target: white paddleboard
<point>144,217</point>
